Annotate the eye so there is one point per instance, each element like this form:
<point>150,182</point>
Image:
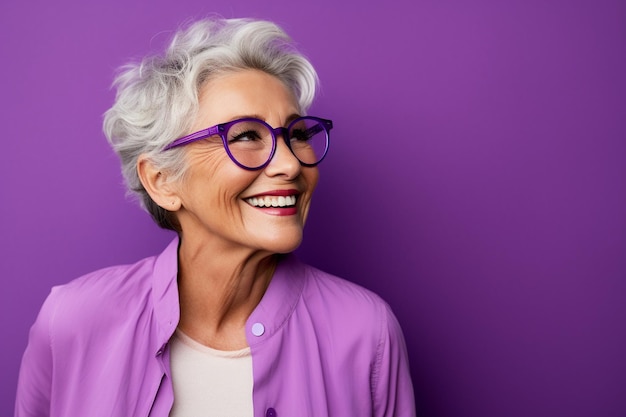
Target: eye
<point>306,133</point>
<point>245,136</point>
<point>301,135</point>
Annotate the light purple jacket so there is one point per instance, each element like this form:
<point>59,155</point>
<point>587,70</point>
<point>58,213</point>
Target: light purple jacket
<point>321,346</point>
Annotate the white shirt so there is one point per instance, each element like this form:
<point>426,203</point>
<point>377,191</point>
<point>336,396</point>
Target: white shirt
<point>209,382</point>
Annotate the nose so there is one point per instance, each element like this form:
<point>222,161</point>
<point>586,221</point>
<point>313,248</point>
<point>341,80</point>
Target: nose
<point>284,162</point>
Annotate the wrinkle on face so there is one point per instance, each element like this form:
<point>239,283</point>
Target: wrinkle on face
<point>213,192</point>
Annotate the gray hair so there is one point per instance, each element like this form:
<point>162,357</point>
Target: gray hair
<point>157,98</point>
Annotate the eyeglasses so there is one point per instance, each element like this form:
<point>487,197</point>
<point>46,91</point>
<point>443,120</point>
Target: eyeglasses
<point>251,143</point>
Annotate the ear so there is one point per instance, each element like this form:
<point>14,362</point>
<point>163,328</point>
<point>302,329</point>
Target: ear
<point>162,191</point>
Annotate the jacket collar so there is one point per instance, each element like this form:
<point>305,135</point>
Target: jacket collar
<point>278,302</point>
<point>165,294</point>
<point>275,308</point>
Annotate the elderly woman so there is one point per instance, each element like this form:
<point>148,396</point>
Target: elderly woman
<point>214,139</point>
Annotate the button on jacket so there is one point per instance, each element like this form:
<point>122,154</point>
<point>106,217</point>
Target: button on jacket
<point>321,346</point>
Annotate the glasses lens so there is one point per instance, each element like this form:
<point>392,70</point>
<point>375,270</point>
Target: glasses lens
<point>250,143</point>
<point>309,140</point>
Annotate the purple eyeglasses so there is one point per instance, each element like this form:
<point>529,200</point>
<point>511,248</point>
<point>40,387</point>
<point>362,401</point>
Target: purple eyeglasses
<point>251,143</point>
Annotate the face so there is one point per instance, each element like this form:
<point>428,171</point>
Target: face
<point>220,202</point>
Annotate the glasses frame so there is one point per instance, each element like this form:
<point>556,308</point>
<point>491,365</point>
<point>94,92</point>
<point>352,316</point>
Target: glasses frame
<point>223,128</point>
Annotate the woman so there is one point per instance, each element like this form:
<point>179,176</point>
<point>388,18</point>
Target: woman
<point>224,322</point>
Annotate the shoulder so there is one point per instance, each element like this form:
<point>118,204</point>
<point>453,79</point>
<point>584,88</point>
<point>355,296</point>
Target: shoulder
<point>341,293</point>
<point>118,282</point>
<point>350,307</point>
<point>105,295</point>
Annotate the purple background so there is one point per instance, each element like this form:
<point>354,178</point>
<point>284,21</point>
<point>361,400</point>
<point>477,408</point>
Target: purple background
<point>476,181</point>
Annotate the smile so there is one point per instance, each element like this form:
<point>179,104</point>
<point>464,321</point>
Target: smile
<point>272,201</point>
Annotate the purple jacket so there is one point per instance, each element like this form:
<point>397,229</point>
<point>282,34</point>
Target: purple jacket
<point>321,346</point>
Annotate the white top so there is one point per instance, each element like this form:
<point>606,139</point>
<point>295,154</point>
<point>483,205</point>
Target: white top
<point>209,382</point>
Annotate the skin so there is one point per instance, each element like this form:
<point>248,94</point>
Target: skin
<point>226,254</point>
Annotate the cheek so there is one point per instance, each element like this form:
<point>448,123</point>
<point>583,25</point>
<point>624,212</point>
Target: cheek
<point>204,177</point>
<point>218,181</point>
<point>311,176</point>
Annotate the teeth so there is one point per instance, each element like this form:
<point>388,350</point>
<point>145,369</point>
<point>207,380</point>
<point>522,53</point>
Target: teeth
<point>271,201</point>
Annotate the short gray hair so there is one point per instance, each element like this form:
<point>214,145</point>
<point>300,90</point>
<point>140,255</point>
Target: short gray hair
<point>157,98</point>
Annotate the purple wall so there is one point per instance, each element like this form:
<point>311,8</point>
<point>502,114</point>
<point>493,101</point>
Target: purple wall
<point>477,180</point>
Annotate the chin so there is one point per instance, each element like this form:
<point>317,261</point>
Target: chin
<point>284,244</point>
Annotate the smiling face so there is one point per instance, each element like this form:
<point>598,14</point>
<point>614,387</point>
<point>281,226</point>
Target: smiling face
<point>229,207</point>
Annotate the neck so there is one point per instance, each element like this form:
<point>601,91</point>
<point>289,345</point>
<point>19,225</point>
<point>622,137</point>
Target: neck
<point>218,289</point>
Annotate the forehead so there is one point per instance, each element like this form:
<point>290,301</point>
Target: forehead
<point>245,93</point>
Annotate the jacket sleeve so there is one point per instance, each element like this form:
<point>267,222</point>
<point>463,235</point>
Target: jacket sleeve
<point>392,388</point>
<point>35,380</point>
